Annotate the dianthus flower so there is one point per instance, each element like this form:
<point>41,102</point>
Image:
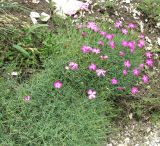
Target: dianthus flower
<point>124,31</point>
<point>135,72</point>
<point>111,44</point>
<point>127,64</point>
<point>57,84</point>
<point>149,62</point>
<point>124,43</point>
<point>73,66</point>
<point>114,81</point>
<point>86,49</point>
<point>148,54</point>
<point>145,79</point>
<point>100,72</point>
<point>92,67</point>
<point>26,98</point>
<point>109,36</point>
<point>118,24</point>
<point>91,94</point>
<point>134,90</point>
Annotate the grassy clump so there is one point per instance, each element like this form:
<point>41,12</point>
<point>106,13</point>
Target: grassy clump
<point>151,9</point>
<point>66,116</point>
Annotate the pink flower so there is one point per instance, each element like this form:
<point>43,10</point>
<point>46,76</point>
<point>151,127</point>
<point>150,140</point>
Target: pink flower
<point>86,49</point>
<point>141,43</point>
<point>114,81</point>
<point>124,31</point>
<point>92,26</point>
<point>141,65</point>
<point>120,88</point>
<point>73,66</point>
<point>134,90</point>
<point>104,57</point>
<point>131,45</point>
<point>83,34</point>
<point>141,36</point>
<point>118,24</point>
<point>124,43</point>
<point>111,44</point>
<point>121,53</point>
<point>109,36</point>
<point>92,67</point>
<point>124,72</point>
<point>91,94</point>
<point>131,25</point>
<point>103,33</point>
<point>145,79</point>
<point>100,72</point>
<point>101,43</point>
<point>79,26</point>
<point>26,98</point>
<point>96,51</point>
<point>135,72</point>
<point>127,64</point>
<point>57,84</point>
<point>149,62</point>
<point>148,54</point>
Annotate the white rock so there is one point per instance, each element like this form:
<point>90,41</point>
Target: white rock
<point>158,41</point>
<point>14,73</point>
<point>127,1</point>
<point>44,17</point>
<point>34,15</point>
<point>35,1</point>
<point>127,140</point>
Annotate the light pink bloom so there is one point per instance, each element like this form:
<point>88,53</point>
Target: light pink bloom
<point>86,49</point>
<point>141,36</point>
<point>134,90</point>
<point>118,24</point>
<point>109,36</point>
<point>104,57</point>
<point>100,72</point>
<point>96,51</point>
<point>91,94</point>
<point>141,65</point>
<point>79,26</point>
<point>148,54</point>
<point>145,79</point>
<point>114,81</point>
<point>131,25</point>
<point>149,62</point>
<point>83,34</point>
<point>26,98</point>
<point>111,44</point>
<point>92,26</point>
<point>57,84</point>
<point>127,64</point>
<point>101,43</point>
<point>124,31</point>
<point>73,66</point>
<point>124,72</point>
<point>92,67</point>
<point>124,43</point>
<point>121,53</point>
<point>141,43</point>
<point>103,33</point>
<point>136,72</point>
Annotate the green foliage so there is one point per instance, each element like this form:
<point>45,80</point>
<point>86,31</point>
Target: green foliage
<point>151,8</point>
